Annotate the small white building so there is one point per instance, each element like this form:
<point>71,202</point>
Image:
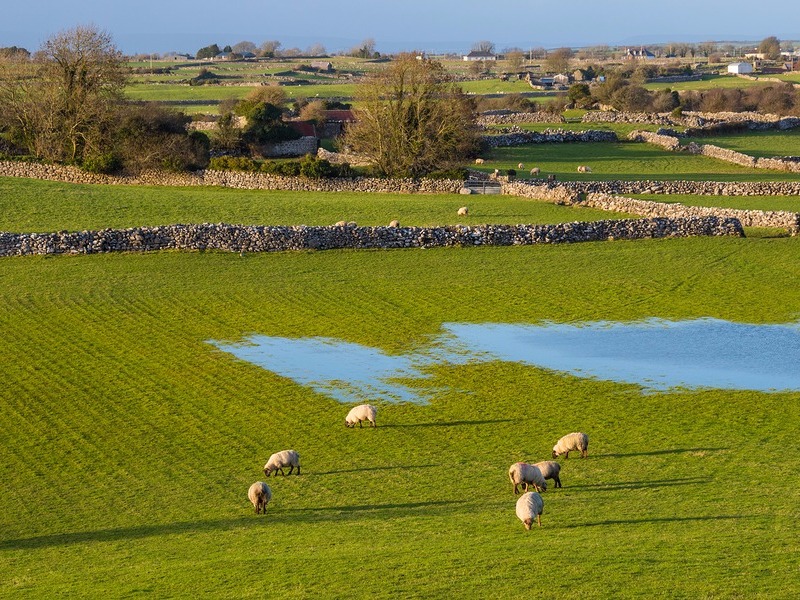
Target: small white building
<point>740,68</point>
<point>476,55</point>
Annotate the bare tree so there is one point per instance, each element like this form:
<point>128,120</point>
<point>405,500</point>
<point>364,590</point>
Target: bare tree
<point>770,47</point>
<point>514,59</point>
<point>316,50</point>
<point>63,108</point>
<point>269,48</point>
<point>242,47</point>
<point>483,46</point>
<point>412,118</point>
<point>558,60</point>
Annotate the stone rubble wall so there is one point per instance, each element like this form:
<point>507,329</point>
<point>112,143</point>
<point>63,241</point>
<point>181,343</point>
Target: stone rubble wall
<point>240,238</point>
<point>515,118</point>
<point>672,143</point>
<point>548,136</point>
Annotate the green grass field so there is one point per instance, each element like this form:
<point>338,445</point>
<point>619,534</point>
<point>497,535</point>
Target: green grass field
<point>622,160</point>
<point>708,82</point>
<point>129,442</point>
<point>28,205</point>
<point>757,143</point>
<point>790,203</point>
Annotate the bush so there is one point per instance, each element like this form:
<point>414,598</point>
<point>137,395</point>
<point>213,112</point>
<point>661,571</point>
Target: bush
<point>314,168</point>
<point>102,163</point>
<point>456,173</point>
<point>233,163</point>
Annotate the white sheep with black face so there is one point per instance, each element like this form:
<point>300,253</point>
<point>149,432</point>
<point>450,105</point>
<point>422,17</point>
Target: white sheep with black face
<point>529,508</point>
<point>576,441</point>
<point>524,474</point>
<point>259,494</point>
<point>280,460</point>
<point>357,414</point>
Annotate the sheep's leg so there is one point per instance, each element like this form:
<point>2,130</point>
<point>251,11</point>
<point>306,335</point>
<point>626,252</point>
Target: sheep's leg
<point>516,491</point>
<point>359,424</point>
<point>566,454</point>
<point>291,468</point>
<point>539,520</point>
<point>557,479</point>
<point>298,469</point>
<point>584,453</point>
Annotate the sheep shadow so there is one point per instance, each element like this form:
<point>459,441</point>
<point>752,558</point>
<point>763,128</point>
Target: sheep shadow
<point>278,516</point>
<point>639,485</point>
<point>658,452</point>
<point>451,423</point>
<point>386,468</point>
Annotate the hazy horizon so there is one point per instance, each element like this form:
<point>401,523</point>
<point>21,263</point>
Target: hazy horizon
<point>432,25</point>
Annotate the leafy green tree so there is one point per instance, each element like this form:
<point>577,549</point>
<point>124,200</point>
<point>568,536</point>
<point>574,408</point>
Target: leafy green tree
<point>208,51</point>
<point>770,47</point>
<point>580,95</point>
<point>412,118</point>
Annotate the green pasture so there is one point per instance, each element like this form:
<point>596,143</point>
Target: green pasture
<point>621,160</point>
<point>788,203</point>
<point>708,82</point>
<point>129,441</point>
<point>29,205</point>
<point>757,143</point>
<point>496,86</point>
<point>621,129</point>
<point>167,92</point>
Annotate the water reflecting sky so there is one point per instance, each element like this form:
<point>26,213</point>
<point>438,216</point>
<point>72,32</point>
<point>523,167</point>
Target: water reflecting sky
<point>656,354</point>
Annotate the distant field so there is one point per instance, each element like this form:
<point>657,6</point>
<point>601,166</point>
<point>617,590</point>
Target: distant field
<point>788,203</point>
<point>28,205</point>
<point>621,129</point>
<point>707,83</point>
<point>166,92</point>
<point>622,160</point>
<point>757,143</point>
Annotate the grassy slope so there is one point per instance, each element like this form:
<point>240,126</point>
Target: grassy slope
<point>790,203</point>
<point>129,442</point>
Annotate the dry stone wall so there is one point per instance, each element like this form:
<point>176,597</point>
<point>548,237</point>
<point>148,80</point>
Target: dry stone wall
<point>548,136</point>
<point>515,118</point>
<point>240,238</point>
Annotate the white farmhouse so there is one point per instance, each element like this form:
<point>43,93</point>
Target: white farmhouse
<point>740,68</point>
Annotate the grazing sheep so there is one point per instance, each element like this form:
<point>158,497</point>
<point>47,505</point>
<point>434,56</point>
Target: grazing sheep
<point>576,441</point>
<point>479,161</point>
<point>463,211</point>
<point>364,412</point>
<point>535,171</point>
<point>260,494</point>
<point>520,166</point>
<point>525,474</point>
<point>394,223</point>
<point>550,470</point>
<point>494,175</point>
<point>584,169</point>
<point>529,507</point>
<point>280,460</point>
<point>340,224</point>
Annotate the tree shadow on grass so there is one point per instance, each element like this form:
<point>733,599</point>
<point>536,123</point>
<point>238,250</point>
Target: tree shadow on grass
<point>279,516</point>
<point>655,520</point>
<point>639,485</point>
<point>387,468</point>
<point>450,423</point>
<point>658,452</point>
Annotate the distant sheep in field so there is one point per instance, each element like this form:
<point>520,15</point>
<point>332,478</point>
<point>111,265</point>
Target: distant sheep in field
<point>340,224</point>
<point>394,223</point>
<point>281,460</point>
<point>364,412</point>
<point>259,494</point>
<point>494,175</point>
<point>584,169</point>
<point>479,161</point>
<point>535,171</point>
<point>525,474</point>
<point>576,441</point>
<point>550,470</point>
<point>530,506</point>
<point>520,166</point>
<point>463,211</point>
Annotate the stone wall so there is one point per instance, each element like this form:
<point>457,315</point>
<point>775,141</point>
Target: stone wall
<point>697,188</point>
<point>515,118</point>
<point>613,116</point>
<point>672,143</point>
<point>748,218</point>
<point>239,238</point>
<point>299,147</point>
<point>549,136</point>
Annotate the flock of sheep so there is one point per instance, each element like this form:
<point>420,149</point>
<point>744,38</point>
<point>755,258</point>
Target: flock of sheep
<point>535,171</point>
<point>529,506</point>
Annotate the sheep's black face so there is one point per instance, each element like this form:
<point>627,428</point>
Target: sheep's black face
<point>555,455</point>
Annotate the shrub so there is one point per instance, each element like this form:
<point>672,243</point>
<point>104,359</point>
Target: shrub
<point>457,173</point>
<point>314,168</point>
<point>102,163</point>
<point>233,163</point>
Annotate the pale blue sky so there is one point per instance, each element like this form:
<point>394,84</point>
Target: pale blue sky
<point>141,26</point>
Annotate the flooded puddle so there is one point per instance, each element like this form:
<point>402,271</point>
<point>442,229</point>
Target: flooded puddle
<point>656,354</point>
